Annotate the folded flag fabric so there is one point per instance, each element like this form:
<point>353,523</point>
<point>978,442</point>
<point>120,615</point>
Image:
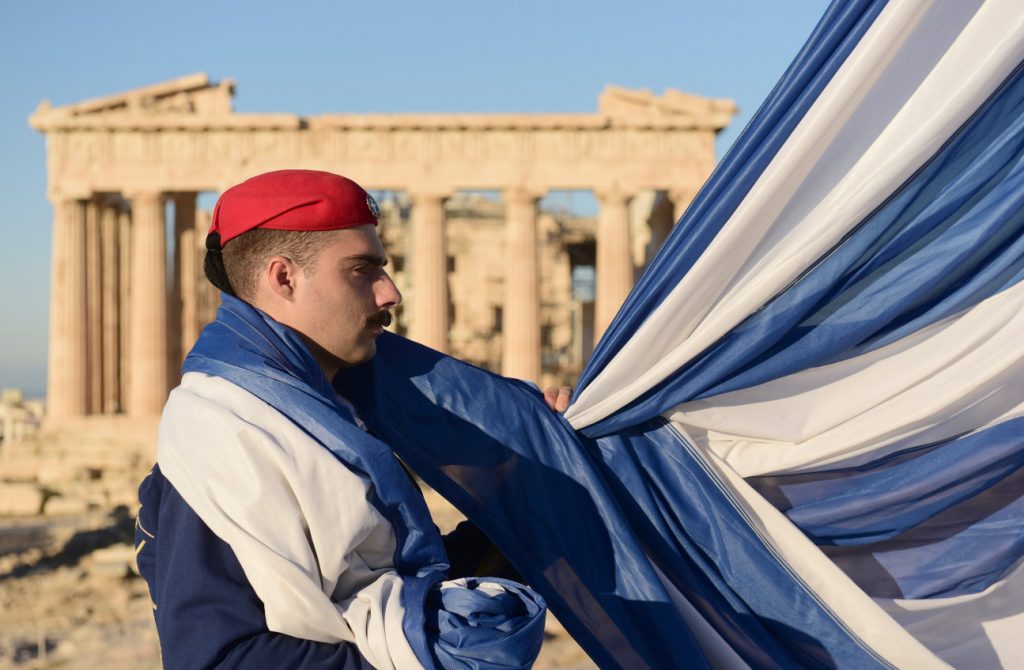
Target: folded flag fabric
<point>799,443</point>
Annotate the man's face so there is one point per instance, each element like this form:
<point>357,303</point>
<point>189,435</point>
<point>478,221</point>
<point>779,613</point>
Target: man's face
<point>342,307</point>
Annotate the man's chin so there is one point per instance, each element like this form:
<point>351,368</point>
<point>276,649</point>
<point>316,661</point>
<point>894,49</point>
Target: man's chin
<point>363,355</point>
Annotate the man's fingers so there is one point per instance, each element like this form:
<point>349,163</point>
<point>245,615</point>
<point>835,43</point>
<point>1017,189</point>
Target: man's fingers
<point>557,398</point>
<point>562,402</point>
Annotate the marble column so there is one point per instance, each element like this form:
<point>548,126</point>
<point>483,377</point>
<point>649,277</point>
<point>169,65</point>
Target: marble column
<point>181,326</point>
<point>521,345</point>
<point>429,272</point>
<point>208,297</point>
<point>66,386</point>
<point>614,257</point>
<point>189,274</point>
<point>148,388</point>
<point>110,257</point>
<point>94,306</point>
<point>124,314</point>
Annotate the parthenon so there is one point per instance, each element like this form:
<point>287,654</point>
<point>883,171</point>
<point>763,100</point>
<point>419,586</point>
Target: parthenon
<point>122,312</point>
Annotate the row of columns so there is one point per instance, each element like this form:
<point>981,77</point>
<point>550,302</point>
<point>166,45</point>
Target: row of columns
<point>521,336</point>
<point>118,331</point>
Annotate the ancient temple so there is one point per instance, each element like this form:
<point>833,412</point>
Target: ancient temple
<point>125,171</point>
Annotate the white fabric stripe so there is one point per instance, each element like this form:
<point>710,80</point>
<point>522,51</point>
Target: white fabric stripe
<point>850,606</point>
<point>889,108</point>
<point>977,631</point>
<point>962,374</point>
<point>316,553</point>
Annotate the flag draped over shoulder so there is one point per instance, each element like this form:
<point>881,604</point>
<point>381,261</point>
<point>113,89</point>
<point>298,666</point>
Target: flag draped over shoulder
<point>800,443</point>
<point>401,613</point>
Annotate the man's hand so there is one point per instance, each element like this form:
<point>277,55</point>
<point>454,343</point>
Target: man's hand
<point>557,398</point>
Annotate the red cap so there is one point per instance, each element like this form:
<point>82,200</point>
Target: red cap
<point>292,200</point>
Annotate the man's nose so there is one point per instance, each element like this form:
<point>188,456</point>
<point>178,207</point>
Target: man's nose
<point>388,295</point>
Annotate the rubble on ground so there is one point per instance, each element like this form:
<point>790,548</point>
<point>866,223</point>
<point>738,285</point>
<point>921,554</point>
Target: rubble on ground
<point>70,595</point>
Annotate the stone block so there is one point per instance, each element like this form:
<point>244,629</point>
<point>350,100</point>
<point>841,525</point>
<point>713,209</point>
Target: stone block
<point>127,495</point>
<point>54,470</point>
<point>21,469</point>
<point>113,562</point>
<point>65,506</point>
<point>20,499</point>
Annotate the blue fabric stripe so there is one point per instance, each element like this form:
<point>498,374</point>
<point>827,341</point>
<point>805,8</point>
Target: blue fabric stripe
<point>960,551</point>
<point>948,238</point>
<point>835,36</point>
<point>693,515</point>
<point>678,536</point>
<point>511,471</point>
<point>586,522</point>
<point>881,500</point>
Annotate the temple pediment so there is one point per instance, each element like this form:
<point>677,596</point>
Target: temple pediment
<point>187,101</point>
<point>672,107</point>
<point>194,101</point>
<point>192,94</point>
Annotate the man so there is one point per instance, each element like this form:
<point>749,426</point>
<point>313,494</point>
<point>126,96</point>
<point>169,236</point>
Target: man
<point>274,531</point>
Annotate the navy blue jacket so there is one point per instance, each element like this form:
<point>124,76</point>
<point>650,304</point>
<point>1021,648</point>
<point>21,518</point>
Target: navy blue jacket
<point>208,615</point>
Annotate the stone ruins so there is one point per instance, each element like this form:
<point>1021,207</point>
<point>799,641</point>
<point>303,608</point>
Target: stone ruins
<point>123,313</point>
<point>19,418</point>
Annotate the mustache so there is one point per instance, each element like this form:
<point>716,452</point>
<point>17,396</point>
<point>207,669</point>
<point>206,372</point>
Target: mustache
<point>381,318</point>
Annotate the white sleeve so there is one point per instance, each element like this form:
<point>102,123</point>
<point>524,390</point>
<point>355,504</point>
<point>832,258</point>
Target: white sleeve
<point>316,552</point>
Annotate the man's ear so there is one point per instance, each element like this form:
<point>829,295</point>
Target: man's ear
<point>281,274</point>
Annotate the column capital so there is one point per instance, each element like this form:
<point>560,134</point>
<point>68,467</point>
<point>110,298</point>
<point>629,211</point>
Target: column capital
<point>144,196</point>
<point>184,197</point>
<point>64,198</point>
<point>426,195</point>
<point>612,194</point>
<point>522,194</point>
<point>682,194</point>
<point>681,199</point>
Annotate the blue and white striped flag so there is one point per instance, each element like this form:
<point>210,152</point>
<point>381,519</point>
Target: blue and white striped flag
<point>800,443</point>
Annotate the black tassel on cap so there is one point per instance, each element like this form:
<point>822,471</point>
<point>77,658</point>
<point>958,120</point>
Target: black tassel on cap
<point>213,264</point>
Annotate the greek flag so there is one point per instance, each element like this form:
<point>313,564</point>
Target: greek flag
<point>800,443</point>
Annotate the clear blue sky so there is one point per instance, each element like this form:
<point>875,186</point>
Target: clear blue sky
<point>318,57</point>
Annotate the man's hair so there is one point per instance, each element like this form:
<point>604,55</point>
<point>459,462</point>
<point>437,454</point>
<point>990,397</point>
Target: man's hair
<point>246,256</point>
